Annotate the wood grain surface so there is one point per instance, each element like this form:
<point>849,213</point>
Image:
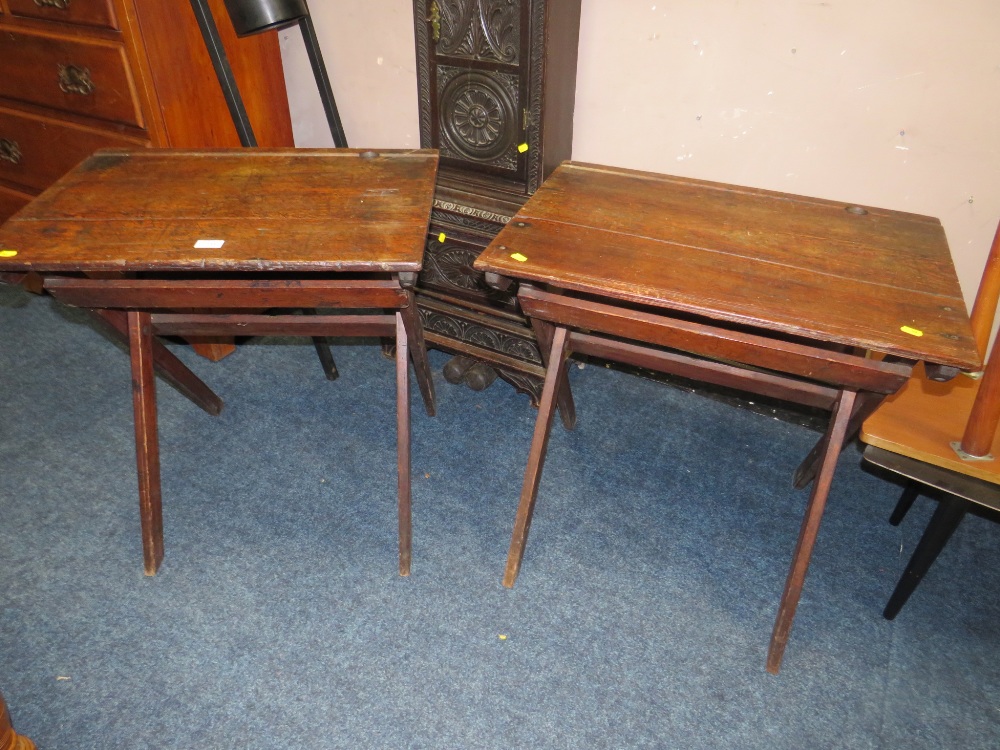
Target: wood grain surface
<point>275,210</point>
<point>826,270</point>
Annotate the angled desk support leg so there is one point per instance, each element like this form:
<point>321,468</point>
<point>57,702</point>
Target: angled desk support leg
<point>403,444</point>
<point>536,455</point>
<point>864,406</point>
<point>544,332</point>
<point>834,441</point>
<point>410,318</point>
<point>147,446</point>
<point>143,297</point>
<point>167,365</point>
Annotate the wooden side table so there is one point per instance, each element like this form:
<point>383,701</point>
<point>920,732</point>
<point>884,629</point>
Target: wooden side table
<point>205,242</point>
<point>774,294</point>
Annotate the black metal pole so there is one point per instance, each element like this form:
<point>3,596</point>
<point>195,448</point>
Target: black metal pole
<point>322,81</point>
<point>227,81</point>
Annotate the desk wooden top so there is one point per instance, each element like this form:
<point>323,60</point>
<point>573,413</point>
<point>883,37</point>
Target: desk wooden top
<point>273,210</point>
<point>820,269</point>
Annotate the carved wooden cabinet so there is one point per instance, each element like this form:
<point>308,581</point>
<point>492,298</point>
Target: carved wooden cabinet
<point>78,75</point>
<point>497,83</point>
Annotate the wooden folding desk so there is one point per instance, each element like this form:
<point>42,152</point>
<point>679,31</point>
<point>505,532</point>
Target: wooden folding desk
<point>194,243</point>
<point>774,294</point>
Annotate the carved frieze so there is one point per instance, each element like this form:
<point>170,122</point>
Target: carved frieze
<point>468,216</point>
<point>485,30</point>
<point>534,103</point>
<point>493,339</point>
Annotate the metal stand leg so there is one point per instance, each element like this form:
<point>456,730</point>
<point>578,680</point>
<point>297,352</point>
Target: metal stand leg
<point>213,43</point>
<point>910,493</point>
<point>322,81</point>
<point>945,520</point>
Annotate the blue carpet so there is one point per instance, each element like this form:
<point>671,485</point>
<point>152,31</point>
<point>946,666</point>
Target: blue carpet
<point>663,532</point>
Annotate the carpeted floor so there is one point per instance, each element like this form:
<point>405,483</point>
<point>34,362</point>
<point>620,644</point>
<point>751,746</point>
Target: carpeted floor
<point>661,539</point>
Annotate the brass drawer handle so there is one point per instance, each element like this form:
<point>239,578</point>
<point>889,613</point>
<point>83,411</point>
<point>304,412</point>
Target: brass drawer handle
<point>10,151</point>
<point>74,79</point>
<point>60,4</point>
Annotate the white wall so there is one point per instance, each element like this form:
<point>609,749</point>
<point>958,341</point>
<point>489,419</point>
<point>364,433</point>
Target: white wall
<point>892,103</point>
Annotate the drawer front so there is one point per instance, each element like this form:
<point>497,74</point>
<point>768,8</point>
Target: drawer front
<point>35,152</point>
<point>68,74</point>
<point>11,202</point>
<point>98,13</point>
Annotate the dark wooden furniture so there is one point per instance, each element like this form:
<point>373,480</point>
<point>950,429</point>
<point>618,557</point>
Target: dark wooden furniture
<point>207,240</point>
<point>774,294</point>
<point>497,83</point>
<point>943,436</point>
<point>9,739</point>
<point>89,74</point>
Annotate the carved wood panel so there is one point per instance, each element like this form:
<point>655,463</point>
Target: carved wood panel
<point>448,259</point>
<point>484,30</point>
<point>472,57</point>
<point>478,116</point>
<point>511,350</point>
<point>485,68</point>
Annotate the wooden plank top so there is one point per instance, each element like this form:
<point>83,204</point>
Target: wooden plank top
<point>272,210</point>
<point>821,269</point>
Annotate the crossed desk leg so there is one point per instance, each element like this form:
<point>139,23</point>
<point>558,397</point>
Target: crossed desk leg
<point>147,356</point>
<point>554,375</point>
<point>810,524</point>
<point>836,435</point>
<point>862,385</point>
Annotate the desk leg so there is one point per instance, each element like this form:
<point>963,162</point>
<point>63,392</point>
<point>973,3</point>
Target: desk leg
<point>418,352</point>
<point>842,416</point>
<point>865,405</point>
<point>564,396</point>
<point>536,456</point>
<point>403,445</point>
<point>169,366</point>
<point>147,447</point>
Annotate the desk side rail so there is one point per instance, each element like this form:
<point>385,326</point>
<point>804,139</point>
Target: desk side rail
<point>720,344</point>
<point>165,294</point>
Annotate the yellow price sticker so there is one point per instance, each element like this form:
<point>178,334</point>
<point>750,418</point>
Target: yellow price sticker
<point>442,237</point>
<point>522,148</point>
<point>911,331</point>
<point>518,257</point>
<point>8,253</point>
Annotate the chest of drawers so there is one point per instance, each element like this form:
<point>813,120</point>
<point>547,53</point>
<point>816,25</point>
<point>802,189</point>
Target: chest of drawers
<point>78,75</point>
